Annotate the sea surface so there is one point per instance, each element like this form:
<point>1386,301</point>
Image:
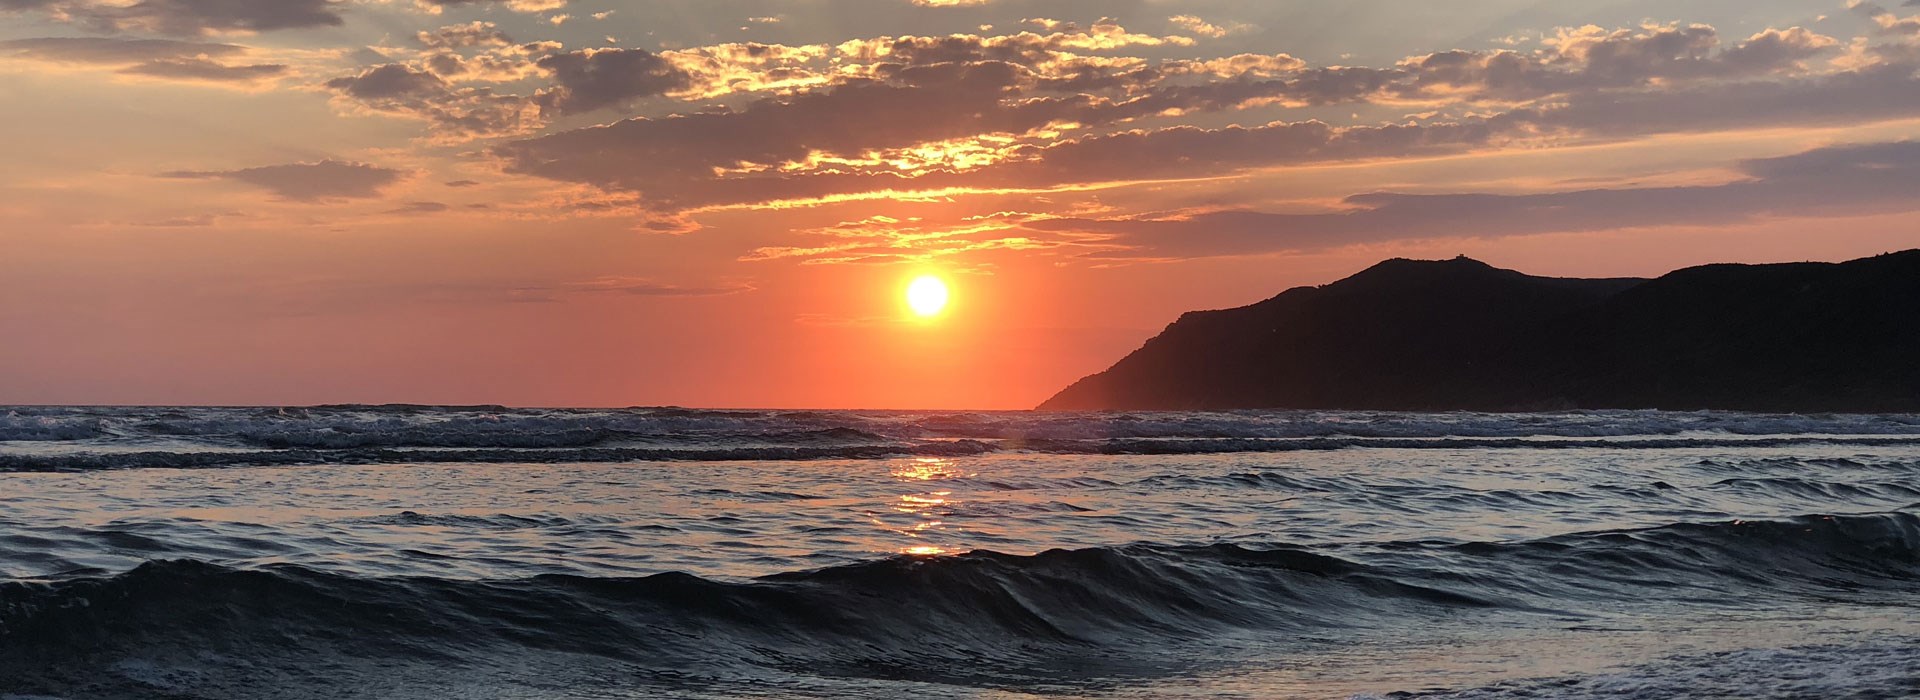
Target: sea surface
<point>485,552</point>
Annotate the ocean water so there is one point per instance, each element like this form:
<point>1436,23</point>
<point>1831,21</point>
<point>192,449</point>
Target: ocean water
<point>483,552</point>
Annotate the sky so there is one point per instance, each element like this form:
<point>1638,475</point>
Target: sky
<point>720,203</point>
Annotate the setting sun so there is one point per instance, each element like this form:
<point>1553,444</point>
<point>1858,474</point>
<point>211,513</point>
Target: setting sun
<point>927,296</point>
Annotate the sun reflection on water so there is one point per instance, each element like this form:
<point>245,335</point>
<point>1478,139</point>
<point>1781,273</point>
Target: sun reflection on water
<point>911,503</point>
<point>925,469</point>
<point>927,509</point>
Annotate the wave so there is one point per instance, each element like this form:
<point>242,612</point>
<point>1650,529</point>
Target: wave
<point>352,426</point>
<point>906,615</point>
<point>1824,491</point>
<point>1880,668</point>
<point>894,618</point>
<point>848,445</point>
<point>1794,466</point>
<point>498,521</point>
<point>1231,445</point>
<point>207,460</point>
<point>1831,557</point>
<point>519,437</point>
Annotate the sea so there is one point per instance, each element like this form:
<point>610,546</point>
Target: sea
<point>488,552</point>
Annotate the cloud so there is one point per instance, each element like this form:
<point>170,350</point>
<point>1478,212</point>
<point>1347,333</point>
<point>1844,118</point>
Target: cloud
<point>471,34</point>
<point>200,69</point>
<point>1838,180</point>
<point>419,208</point>
<point>587,80</point>
<point>597,78</point>
<point>637,286</point>
<point>1200,27</point>
<point>306,182</point>
<point>193,221</point>
<point>436,6</point>
<point>1873,93</point>
<point>883,240</point>
<point>1029,111</point>
<point>1589,59</point>
<point>1889,22</point>
<point>390,81</point>
<point>156,58</point>
<point>956,127</point>
<point>194,17</point>
<point>113,51</point>
<point>458,112</point>
<point>654,155</point>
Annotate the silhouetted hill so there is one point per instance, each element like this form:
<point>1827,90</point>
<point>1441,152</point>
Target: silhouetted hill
<point>1461,334</point>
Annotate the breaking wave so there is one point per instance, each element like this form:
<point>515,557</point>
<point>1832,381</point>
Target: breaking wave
<point>905,615</point>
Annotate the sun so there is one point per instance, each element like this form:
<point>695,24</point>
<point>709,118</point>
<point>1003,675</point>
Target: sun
<point>927,296</point>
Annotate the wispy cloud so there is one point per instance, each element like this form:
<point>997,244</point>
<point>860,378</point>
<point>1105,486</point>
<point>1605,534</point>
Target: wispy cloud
<point>1847,180</point>
<point>306,182</point>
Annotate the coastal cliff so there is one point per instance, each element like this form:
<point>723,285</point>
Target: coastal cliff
<point>1463,335</point>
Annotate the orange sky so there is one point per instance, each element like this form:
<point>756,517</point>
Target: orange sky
<point>544,202</point>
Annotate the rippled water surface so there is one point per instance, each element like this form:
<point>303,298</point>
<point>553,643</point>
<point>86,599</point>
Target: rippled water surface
<point>484,552</point>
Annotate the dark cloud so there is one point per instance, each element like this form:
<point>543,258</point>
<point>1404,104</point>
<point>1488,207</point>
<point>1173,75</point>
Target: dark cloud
<point>200,69</point>
<point>850,135</point>
<point>471,34</point>
<point>1874,93</point>
<point>1134,156</point>
<point>198,17</point>
<point>113,51</point>
<point>194,221</point>
<point>651,288</point>
<point>306,182</point>
<point>516,5</point>
<point>1771,51</point>
<point>596,78</point>
<point>1602,60</point>
<point>419,208</point>
<point>555,291</point>
<point>651,155</point>
<point>391,81</point>
<point>736,156</point>
<point>921,104</point>
<point>158,58</point>
<point>498,63</point>
<point>1840,180</point>
<point>461,111</point>
<point>462,183</point>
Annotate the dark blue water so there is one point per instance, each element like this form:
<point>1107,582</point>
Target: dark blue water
<point>484,552</point>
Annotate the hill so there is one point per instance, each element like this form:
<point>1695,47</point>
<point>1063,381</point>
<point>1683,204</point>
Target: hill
<point>1463,335</point>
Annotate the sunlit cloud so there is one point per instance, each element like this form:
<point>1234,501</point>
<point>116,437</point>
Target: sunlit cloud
<point>666,136</point>
<point>1200,27</point>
